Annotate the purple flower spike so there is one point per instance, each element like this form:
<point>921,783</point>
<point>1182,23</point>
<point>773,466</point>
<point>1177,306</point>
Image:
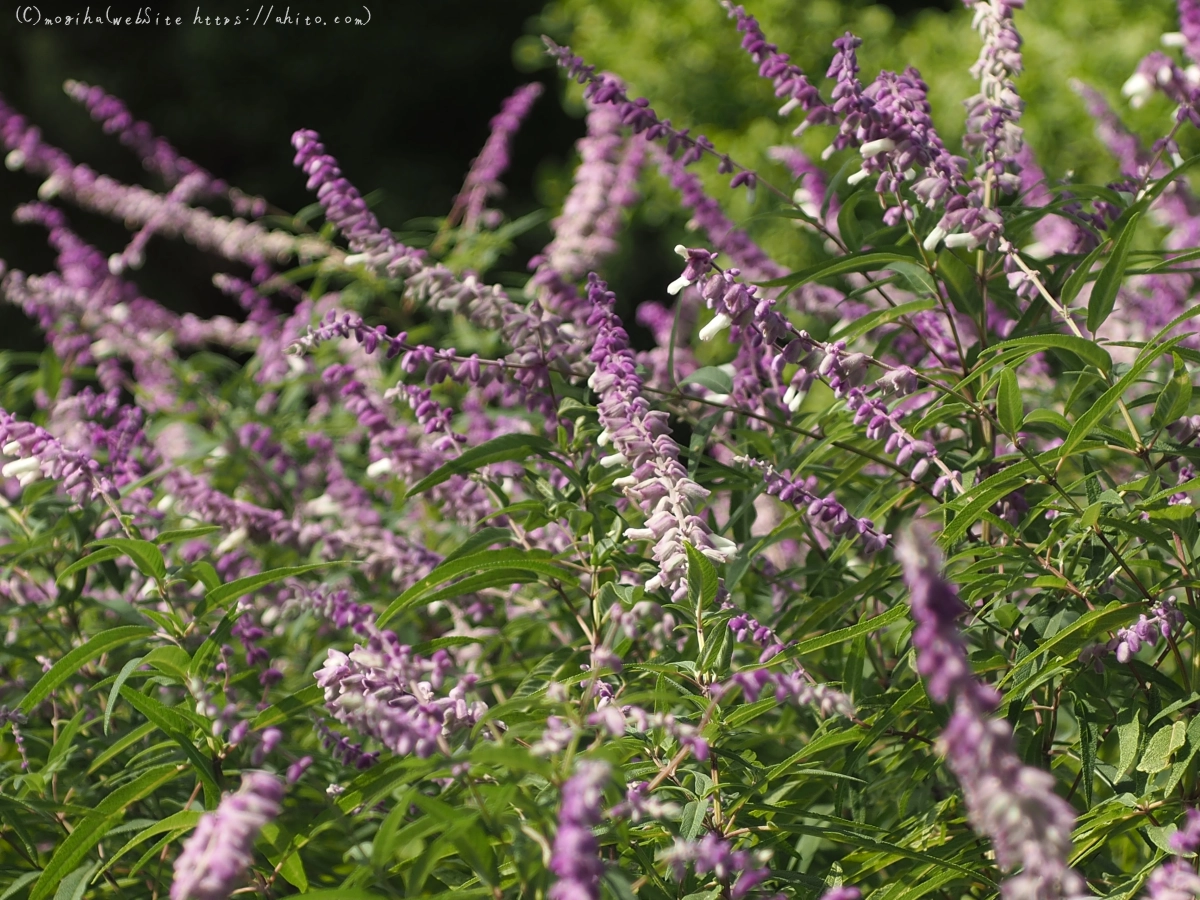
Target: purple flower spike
<point>483,180</point>
<point>993,113</point>
<point>641,440</point>
<point>575,858</point>
<point>215,858</point>
<point>1012,804</point>
<point>790,82</point>
<point>156,153</point>
<point>1189,26</point>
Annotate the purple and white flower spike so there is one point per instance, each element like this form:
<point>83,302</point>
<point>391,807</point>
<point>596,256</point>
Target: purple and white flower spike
<point>641,439</point>
<point>1013,804</point>
<point>215,858</point>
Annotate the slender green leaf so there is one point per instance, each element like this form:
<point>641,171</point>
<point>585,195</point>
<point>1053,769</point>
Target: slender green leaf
<point>505,448</point>
<point>879,317</point>
<point>102,643</point>
<point>145,555</point>
<point>841,265</point>
<point>1086,350</point>
<point>527,560</point>
<point>235,589</point>
<point>714,378</point>
<point>1009,409</point>
<point>1104,292</point>
<point>94,558</point>
<point>92,829</point>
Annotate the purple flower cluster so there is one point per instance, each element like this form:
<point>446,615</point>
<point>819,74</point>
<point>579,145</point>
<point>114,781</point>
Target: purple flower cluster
<point>483,179</point>
<point>215,858</point>
<point>760,328</point>
<point>791,84</point>
<point>234,239</point>
<point>575,857</point>
<point>795,687</point>
<point>614,719</point>
<point>1165,620</point>
<point>539,337</point>
<point>640,804</point>
<point>639,117</point>
<point>383,690</point>
<point>604,184</point>
<point>1012,804</point>
<point>344,206</point>
<point>641,439</point>
<point>34,453</point>
<point>1178,879</point>
<point>156,153</point>
<point>715,854</point>
<point>1189,27</point>
<point>1157,71</point>
<point>993,113</point>
<point>826,511</point>
<point>708,217</point>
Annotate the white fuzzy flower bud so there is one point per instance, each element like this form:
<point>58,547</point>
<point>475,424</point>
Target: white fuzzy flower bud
<point>677,285</point>
<point>20,467</point>
<point>966,240</point>
<point>379,467</point>
<point>935,238</point>
<point>718,324</point>
<point>874,148</point>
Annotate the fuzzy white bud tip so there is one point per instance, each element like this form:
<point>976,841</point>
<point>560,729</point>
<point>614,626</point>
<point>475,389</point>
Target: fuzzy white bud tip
<point>1138,85</point>
<point>718,324</point>
<point>935,238</point>
<point>681,250</point>
<point>14,160</point>
<point>614,460</point>
<point>49,188</point>
<point>20,467</point>
<point>860,175</point>
<point>966,240</point>
<point>116,264</point>
<point>677,285</point>
<point>379,467</point>
<point>1174,39</point>
<point>874,148</point>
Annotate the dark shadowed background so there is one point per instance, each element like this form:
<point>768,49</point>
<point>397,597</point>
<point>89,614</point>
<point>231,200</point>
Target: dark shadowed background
<point>403,103</point>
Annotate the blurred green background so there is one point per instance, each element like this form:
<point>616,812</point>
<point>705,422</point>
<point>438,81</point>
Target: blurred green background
<point>404,103</point>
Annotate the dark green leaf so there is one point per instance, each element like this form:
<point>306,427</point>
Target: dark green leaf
<point>79,657</point>
<point>1009,409</point>
<point>714,378</point>
<point>145,555</point>
<point>505,448</point>
<point>1104,292</point>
